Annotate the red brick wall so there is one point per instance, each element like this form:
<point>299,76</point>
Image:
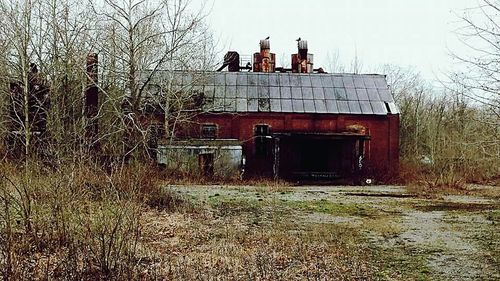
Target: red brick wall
<point>382,150</point>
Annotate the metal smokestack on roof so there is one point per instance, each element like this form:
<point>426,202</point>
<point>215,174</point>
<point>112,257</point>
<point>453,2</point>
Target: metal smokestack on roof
<point>302,62</point>
<point>265,44</point>
<point>264,61</point>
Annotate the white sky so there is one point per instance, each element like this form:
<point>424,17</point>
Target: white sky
<point>415,33</point>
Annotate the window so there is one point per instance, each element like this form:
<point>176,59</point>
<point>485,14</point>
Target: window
<point>262,140</point>
<point>209,131</point>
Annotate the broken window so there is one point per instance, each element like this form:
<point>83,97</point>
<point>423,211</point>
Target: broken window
<point>262,140</point>
<point>209,131</point>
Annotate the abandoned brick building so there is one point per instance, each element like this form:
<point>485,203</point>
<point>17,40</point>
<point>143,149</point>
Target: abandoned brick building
<point>297,124</point>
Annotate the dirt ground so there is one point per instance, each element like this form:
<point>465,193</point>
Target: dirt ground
<point>331,232</point>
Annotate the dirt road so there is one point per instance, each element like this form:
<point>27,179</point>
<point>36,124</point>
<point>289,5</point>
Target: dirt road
<point>397,234</point>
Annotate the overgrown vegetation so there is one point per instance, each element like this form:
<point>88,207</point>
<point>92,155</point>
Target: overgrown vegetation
<point>76,222</point>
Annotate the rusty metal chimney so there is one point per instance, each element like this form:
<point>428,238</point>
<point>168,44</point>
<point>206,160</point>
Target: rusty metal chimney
<point>302,62</point>
<point>92,97</point>
<point>265,60</point>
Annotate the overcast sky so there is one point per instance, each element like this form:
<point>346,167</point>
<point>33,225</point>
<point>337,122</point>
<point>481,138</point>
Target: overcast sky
<point>404,32</point>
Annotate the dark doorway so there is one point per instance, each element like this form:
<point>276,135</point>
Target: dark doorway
<point>206,163</point>
<point>319,157</point>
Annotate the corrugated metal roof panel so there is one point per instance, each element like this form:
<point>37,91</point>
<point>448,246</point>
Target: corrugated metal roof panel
<point>273,79</point>
<point>305,80</point>
<point>296,93</point>
<point>358,82</point>
<point>287,92</point>
<point>275,105</point>
<point>326,81</point>
<point>241,105</point>
<point>298,105</point>
<point>320,106</point>
<point>284,80</point>
<point>331,106</point>
<point>393,107</point>
<point>253,104</point>
<point>378,107</point>
<point>309,106</point>
<point>318,93</point>
<point>354,107</point>
<point>365,107</point>
<point>362,94</point>
<point>231,78</point>
<point>343,106</point>
<point>286,105</point>
<point>274,92</point>
<point>307,92</point>
<point>373,94</point>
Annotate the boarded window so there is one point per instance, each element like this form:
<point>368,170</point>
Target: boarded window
<point>209,131</point>
<point>262,140</point>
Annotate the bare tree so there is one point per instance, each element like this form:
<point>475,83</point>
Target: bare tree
<point>480,33</point>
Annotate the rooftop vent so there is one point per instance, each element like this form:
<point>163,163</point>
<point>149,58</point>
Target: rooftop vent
<point>265,60</point>
<point>302,62</point>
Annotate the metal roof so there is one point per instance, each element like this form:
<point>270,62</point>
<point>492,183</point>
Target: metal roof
<point>290,92</point>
